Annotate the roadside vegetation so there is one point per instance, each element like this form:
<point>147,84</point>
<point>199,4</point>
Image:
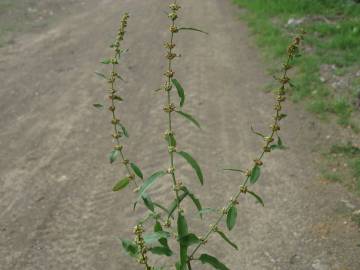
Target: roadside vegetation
<point>327,78</point>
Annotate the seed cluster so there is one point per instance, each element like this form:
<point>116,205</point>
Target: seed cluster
<point>139,240</point>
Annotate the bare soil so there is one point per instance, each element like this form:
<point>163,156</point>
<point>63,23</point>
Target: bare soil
<point>57,210</point>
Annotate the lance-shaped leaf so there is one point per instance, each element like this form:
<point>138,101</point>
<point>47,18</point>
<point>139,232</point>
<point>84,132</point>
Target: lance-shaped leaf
<point>161,207</point>
<point>193,29</point>
<point>180,91</point>
<point>234,170</point>
<point>136,170</point>
<point>155,236</point>
<point>161,251</point>
<point>123,183</point>
<point>158,228</point>
<point>214,262</point>
<point>148,202</point>
<point>125,132</point>
<point>257,133</point>
<point>100,74</point>
<point>193,164</point>
<point>182,229</point>
<point>130,248</point>
<point>195,200</point>
<point>106,61</point>
<point>231,217</point>
<point>149,182</point>
<point>189,117</point>
<point>114,155</point>
<point>189,239</point>
<point>98,106</point>
<point>257,197</point>
<point>255,174</point>
<point>175,203</point>
<point>223,236</point>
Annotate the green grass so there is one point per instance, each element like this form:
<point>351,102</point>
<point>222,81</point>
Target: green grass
<point>344,154</point>
<point>333,38</point>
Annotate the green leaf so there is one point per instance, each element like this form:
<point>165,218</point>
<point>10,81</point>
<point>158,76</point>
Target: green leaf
<point>156,236</point>
<point>130,248</point>
<point>189,239</point>
<point>100,75</point>
<point>175,203</point>
<point>257,133</point>
<point>158,228</point>
<point>123,183</point>
<point>235,170</point>
<point>214,262</point>
<point>125,132</point>
<point>178,266</point>
<point>136,170</point>
<point>148,202</point>
<point>207,210</point>
<point>149,182</point>
<point>193,164</point>
<point>161,207</point>
<point>180,91</point>
<point>193,29</point>
<point>190,118</point>
<point>182,229</point>
<point>161,251</point>
<point>257,197</point>
<point>195,200</point>
<point>98,106</point>
<point>171,140</point>
<point>255,174</point>
<point>106,61</point>
<point>113,155</point>
<point>223,236</point>
<point>231,217</point>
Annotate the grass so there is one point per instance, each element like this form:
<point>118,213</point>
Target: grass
<point>345,159</point>
<point>333,39</point>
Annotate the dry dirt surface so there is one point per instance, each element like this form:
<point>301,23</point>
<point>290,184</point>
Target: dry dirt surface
<point>57,210</point>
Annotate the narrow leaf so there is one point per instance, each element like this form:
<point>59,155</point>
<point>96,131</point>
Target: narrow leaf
<point>190,118</point>
<point>189,239</point>
<point>193,29</point>
<point>158,228</point>
<point>121,184</point>
<point>148,202</point>
<point>149,182</point>
<point>100,75</point>
<point>130,248</point>
<point>193,164</point>
<point>180,91</point>
<point>136,170</point>
<point>231,217</point>
<point>235,170</point>
<point>257,133</point>
<point>98,106</point>
<point>171,140</point>
<point>223,236</point>
<point>214,262</point>
<point>161,251</point>
<point>255,174</point>
<point>156,236</point>
<point>113,155</point>
<point>106,61</point>
<point>257,197</point>
<point>125,132</point>
<point>175,203</point>
<point>161,207</point>
<point>195,200</point>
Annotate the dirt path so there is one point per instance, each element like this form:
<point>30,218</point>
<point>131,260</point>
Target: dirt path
<point>56,208</point>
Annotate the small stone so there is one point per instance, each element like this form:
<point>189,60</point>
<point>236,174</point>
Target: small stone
<point>348,204</point>
<point>318,265</point>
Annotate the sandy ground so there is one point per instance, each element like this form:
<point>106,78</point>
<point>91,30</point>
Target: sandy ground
<point>57,210</point>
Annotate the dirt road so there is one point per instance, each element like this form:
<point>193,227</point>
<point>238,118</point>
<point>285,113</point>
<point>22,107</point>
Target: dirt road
<point>57,210</point>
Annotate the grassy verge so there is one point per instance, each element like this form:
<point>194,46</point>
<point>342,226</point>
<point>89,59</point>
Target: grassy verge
<point>327,81</point>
